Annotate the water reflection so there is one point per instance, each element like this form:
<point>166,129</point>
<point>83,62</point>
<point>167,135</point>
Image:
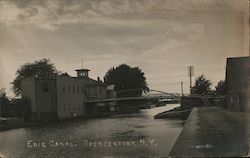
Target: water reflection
<point>151,137</point>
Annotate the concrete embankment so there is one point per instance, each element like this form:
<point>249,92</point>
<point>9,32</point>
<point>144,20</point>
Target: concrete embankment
<point>212,131</point>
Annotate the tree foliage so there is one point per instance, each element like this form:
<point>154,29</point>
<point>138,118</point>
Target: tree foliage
<point>3,98</point>
<point>14,107</point>
<point>125,78</point>
<point>202,86</point>
<point>220,89</point>
<point>2,93</point>
<point>4,102</point>
<point>41,68</point>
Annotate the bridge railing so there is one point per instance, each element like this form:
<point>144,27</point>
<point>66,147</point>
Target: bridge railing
<point>205,96</point>
<point>208,99</point>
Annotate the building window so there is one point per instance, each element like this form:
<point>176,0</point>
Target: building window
<point>82,90</point>
<point>45,87</point>
<point>77,89</point>
<point>63,89</point>
<point>91,90</point>
<point>68,89</point>
<point>82,74</point>
<point>73,89</point>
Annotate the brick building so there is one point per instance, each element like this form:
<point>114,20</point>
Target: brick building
<point>238,85</point>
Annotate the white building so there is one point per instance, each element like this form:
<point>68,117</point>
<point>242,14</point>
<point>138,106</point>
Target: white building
<point>61,96</point>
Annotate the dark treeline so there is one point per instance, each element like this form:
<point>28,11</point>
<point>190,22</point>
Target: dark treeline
<point>14,107</point>
<point>202,86</point>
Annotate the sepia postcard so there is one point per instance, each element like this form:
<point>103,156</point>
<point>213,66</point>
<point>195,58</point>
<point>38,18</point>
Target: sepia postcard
<point>124,78</point>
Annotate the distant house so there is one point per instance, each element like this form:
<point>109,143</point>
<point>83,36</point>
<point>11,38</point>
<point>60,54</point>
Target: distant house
<point>61,96</point>
<point>237,81</point>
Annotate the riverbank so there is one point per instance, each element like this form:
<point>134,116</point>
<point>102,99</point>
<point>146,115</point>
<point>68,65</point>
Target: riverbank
<point>213,131</point>
<point>9,123</point>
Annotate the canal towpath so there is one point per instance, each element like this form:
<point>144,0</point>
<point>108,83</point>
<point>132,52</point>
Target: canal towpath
<point>213,131</point>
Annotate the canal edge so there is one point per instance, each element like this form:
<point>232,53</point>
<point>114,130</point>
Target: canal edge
<point>186,123</point>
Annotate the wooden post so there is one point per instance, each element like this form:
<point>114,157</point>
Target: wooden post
<point>190,73</point>
<point>182,88</point>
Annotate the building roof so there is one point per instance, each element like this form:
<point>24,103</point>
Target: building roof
<point>238,61</point>
<point>239,58</point>
<point>88,81</point>
<point>82,70</point>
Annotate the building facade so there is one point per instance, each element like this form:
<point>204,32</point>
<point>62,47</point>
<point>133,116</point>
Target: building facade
<point>238,85</point>
<point>61,97</point>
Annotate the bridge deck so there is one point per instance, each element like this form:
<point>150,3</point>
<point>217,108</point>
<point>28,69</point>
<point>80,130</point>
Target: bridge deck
<point>128,99</point>
<point>171,98</point>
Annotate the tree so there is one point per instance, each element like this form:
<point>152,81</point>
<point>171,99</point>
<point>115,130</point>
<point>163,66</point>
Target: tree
<point>4,102</point>
<point>126,78</point>
<point>2,93</point>
<point>220,89</point>
<point>3,98</point>
<point>41,68</point>
<point>65,74</point>
<point>201,86</point>
<point>14,107</point>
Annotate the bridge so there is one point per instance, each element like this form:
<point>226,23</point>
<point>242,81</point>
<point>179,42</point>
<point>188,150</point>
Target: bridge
<point>163,96</point>
<point>160,98</point>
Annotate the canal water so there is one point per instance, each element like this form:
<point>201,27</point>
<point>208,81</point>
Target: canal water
<point>135,134</point>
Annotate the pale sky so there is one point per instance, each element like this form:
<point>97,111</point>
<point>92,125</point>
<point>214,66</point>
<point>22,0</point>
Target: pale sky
<point>162,37</point>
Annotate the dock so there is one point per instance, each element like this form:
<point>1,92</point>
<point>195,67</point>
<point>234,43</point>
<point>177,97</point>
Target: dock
<point>213,132</point>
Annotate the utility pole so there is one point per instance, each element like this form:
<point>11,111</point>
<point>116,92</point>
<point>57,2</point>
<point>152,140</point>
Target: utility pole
<point>182,88</point>
<point>190,74</point>
<point>0,109</point>
<point>82,63</point>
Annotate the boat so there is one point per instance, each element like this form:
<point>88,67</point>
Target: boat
<point>174,114</point>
